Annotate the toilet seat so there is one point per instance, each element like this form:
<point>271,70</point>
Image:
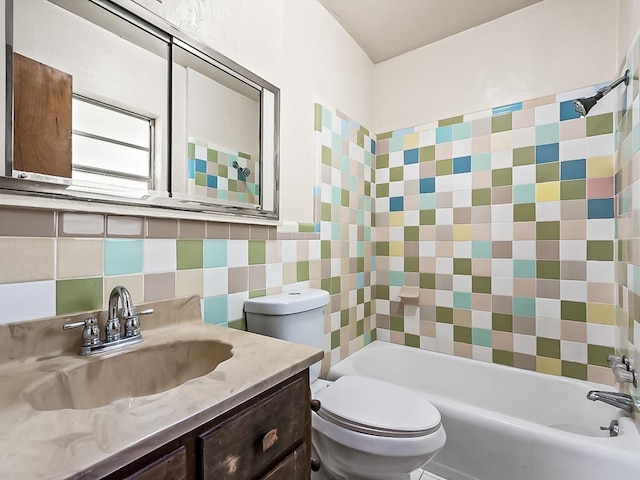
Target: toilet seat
<point>374,407</point>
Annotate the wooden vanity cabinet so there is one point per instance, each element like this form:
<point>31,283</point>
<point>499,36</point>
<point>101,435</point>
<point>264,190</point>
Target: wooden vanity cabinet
<point>265,438</point>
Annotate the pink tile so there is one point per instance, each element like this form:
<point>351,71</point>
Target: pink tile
<point>599,187</point>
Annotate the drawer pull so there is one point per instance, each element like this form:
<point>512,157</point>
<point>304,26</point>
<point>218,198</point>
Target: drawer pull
<point>315,405</point>
<point>269,439</point>
<point>316,464</point>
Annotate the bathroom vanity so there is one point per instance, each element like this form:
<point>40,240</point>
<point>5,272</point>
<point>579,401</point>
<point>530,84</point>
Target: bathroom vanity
<point>248,418</point>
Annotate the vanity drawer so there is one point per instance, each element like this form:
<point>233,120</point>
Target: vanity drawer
<point>295,466</point>
<point>170,467</point>
<point>251,441</point>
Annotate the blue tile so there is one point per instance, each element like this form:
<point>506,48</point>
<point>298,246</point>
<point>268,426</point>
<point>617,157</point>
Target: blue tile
<point>201,166</point>
<point>215,310</point>
<point>373,146</point>
<point>524,193</point>
<point>480,162</point>
<point>411,156</point>
<point>396,144</point>
<point>360,280</point>
<point>122,256</point>
<point>513,107</point>
<point>573,169</point>
<point>548,134</point>
<point>427,201</point>
<point>462,164</point>
<point>547,153</point>
<point>462,300</point>
<point>191,168</point>
<point>524,306</point>
<point>461,130</point>
<point>326,118</point>
<point>396,279</point>
<point>396,204</point>
<point>403,131</point>
<point>212,181</point>
<point>344,129</point>
<point>428,185</point>
<point>567,112</point>
<point>481,249</point>
<point>444,134</point>
<point>600,208</point>
<point>214,253</point>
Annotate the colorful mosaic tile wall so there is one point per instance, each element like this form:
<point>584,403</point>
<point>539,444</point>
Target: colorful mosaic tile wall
<point>211,174</point>
<point>344,206</point>
<point>627,186</point>
<point>504,219</point>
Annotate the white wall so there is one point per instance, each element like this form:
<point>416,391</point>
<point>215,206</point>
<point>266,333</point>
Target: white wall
<point>628,26</point>
<point>549,47</point>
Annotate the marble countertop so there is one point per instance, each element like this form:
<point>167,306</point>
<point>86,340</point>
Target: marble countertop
<point>60,443</point>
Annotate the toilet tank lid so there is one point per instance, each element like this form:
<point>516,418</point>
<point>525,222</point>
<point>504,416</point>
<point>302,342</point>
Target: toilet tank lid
<point>288,303</point>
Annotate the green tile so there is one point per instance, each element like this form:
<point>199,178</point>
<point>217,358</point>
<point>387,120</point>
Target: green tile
<point>444,167</point>
<point>258,293</point>
<point>304,227</point>
<point>325,212</point>
<point>325,249</point>
<point>547,172</point>
<point>411,264</point>
<point>360,266</point>
<point>223,171</point>
<point>462,266</point>
<point>549,269</point>
<point>481,196</point>
<point>367,188</point>
<point>382,249</point>
<point>450,121</point>
<point>257,252</point>
<point>411,234</point>
<point>548,231</point>
<point>397,324</point>
<point>480,284</point>
<point>444,315</point>
<point>461,334</point>
<point>382,292</point>
<point>573,190</point>
<point>428,153</point>
<point>600,250</point>
<point>317,117</point>
<point>576,311</point>
<point>502,357</point>
<point>201,179</point>
<point>412,340</point>
<point>382,190</point>
<point>302,269</point>
<point>189,254</point>
<point>326,155</point>
<point>360,296</point>
<point>524,268</point>
<point>382,160</point>
<point>367,309</point>
<point>240,324</point>
<point>502,322</point>
<point>325,284</point>
<point>335,285</point>
<point>344,198</point>
<point>344,318</point>
<point>359,328</point>
<point>598,354</point>
<point>599,124</point>
<point>548,347</point>
<point>335,339</point>
<point>524,212</point>
<point>524,156</point>
<point>395,174</point>
<point>428,280</point>
<point>427,217</point>
<point>191,150</point>
<point>501,177</point>
<point>501,123</point>
<point>574,370</point>
<point>212,155</point>
<point>384,135</point>
<point>78,295</point>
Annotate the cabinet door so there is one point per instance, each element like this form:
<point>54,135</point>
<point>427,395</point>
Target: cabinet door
<point>172,466</point>
<point>294,467</point>
<point>250,442</point>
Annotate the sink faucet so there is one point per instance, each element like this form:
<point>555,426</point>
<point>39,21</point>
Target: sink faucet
<point>91,342</point>
<point>622,401</point>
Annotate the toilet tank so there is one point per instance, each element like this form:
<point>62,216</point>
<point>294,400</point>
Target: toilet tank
<point>296,316</point>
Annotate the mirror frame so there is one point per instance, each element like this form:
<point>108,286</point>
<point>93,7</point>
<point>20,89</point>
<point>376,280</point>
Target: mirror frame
<point>38,185</point>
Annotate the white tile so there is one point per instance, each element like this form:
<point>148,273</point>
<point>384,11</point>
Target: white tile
<point>600,272</point>
<point>444,265</point>
<point>235,305</point>
<point>524,137</point>
<point>547,114</point>
<point>462,283</point>
<point>461,198</point>
<point>502,213</point>
<point>216,281</point>
<point>238,253</point>
<point>501,159</point>
<point>427,248</point>
<point>573,149</point>
<point>601,229</point>
<point>573,250</point>
<point>462,249</point>
<point>524,174</point>
<point>289,251</point>
<point>427,343</point>
<point>548,307</point>
<point>26,301</point>
<point>600,145</point>
<point>524,344</point>
<point>484,354</point>
<point>396,189</point>
<point>444,298</point>
<point>601,334</point>
<point>396,159</point>
<point>159,255</point>
<point>502,286</point>
<point>573,290</point>
<point>444,216</point>
<point>461,148</point>
<point>548,211</point>
<point>573,351</point>
<point>548,327</point>
<point>502,267</point>
<point>480,319</point>
<point>524,250</point>
<point>501,231</point>
<point>427,137</point>
<point>273,275</point>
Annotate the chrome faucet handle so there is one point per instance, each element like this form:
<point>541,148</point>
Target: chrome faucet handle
<point>614,360</point>
<point>132,323</point>
<point>90,331</point>
<point>625,374</point>
<point>112,330</point>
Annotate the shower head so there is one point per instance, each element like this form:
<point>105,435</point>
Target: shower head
<point>583,105</point>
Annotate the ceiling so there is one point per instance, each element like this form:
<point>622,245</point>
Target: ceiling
<point>387,28</point>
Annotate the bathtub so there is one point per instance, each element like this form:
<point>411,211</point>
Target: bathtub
<point>505,423</point>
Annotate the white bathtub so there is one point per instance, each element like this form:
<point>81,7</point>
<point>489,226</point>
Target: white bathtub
<point>505,423</point>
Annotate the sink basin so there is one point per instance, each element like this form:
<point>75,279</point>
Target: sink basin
<point>135,373</point>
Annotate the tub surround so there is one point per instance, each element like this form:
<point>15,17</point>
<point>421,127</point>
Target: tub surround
<point>65,442</point>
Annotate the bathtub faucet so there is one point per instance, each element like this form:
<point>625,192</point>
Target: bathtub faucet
<point>622,401</point>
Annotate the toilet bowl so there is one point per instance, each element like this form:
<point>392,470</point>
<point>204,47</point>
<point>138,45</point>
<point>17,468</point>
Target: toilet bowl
<point>366,429</point>
<point>374,430</point>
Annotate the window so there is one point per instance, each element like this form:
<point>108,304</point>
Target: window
<point>111,145</point>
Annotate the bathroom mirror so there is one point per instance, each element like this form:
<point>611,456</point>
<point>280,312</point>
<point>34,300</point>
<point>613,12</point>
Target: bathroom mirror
<point>109,102</point>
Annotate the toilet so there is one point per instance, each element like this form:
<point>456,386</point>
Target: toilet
<point>366,429</point>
